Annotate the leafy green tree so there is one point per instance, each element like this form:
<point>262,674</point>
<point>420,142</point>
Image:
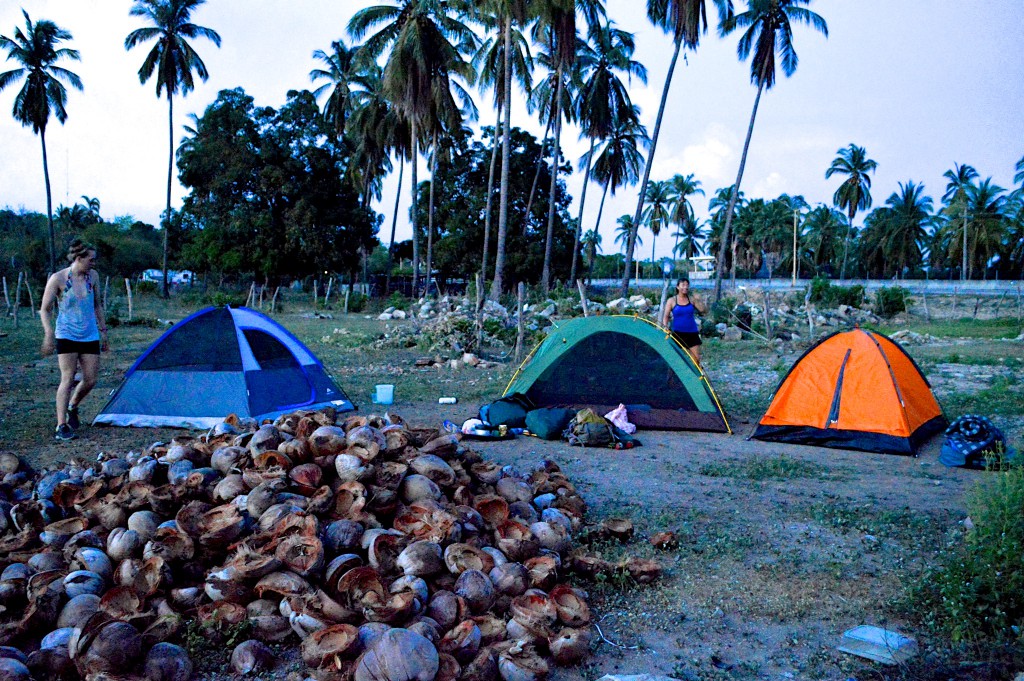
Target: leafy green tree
<point>987,205</point>
<point>686,20</point>
<point>74,219</point>
<point>854,193</point>
<point>768,25</point>
<point>36,51</point>
<point>893,237</point>
<point>825,227</point>
<point>591,244</point>
<point>1018,176</point>
<point>173,60</point>
<point>602,101</point>
<point>425,44</point>
<point>624,233</point>
<point>339,73</point>
<point>92,204</point>
<point>717,207</point>
<point>960,179</point>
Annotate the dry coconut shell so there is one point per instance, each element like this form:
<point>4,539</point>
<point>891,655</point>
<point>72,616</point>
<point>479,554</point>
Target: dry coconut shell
<point>324,647</point>
<point>448,668</point>
<point>282,584</point>
<point>251,656</point>
<point>306,478</point>
<point>571,605</point>
<point>642,570</point>
<point>462,641</point>
<point>349,501</point>
<point>301,554</point>
<point>570,646</point>
<point>617,528</point>
<point>590,567</point>
<point>462,557</point>
<point>103,645</point>
<point>522,663</point>
<point>220,615</point>
<point>327,440</point>
<point>398,655</point>
<point>492,508</point>
<point>664,540</point>
<point>423,521</point>
<point>476,588</point>
<point>447,609</point>
<point>515,540</point>
<point>435,468</point>
<point>421,558</point>
<point>535,611</point>
<point>221,526</point>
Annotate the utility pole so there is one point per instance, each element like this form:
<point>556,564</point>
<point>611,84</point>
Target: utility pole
<point>796,215</point>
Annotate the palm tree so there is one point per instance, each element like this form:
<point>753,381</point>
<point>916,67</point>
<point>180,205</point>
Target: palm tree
<point>1018,176</point>
<point>681,214</point>
<point>557,20</point>
<point>36,50</point>
<point>626,232</point>
<point>960,179</point>
<point>592,244</point>
<point>619,159</point>
<point>510,13</point>
<point>855,192</point>
<point>173,60</point>
<point>426,48</point>
<point>909,215</point>
<point>92,204</point>
<point>338,74</point>
<point>489,63</point>
<point>717,207</point>
<point>987,205</point>
<point>824,231</point>
<point>603,99</point>
<point>686,20</point>
<point>656,214</point>
<point>689,240</point>
<point>768,29</point>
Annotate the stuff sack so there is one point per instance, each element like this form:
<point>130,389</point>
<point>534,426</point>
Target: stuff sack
<point>510,411</point>
<point>974,442</point>
<point>548,423</point>
<point>588,429</point>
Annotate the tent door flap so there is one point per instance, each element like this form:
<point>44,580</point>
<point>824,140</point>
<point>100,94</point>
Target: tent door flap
<point>833,412</point>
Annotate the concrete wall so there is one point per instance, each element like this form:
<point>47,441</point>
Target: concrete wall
<point>916,286</point>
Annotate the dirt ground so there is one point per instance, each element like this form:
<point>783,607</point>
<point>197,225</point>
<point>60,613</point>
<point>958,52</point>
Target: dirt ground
<point>782,547</point>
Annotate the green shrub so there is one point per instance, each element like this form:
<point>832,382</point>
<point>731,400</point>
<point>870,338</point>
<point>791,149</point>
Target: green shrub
<point>976,592</point>
<point>722,311</point>
<point>397,300</point>
<point>826,293</point>
<point>145,287</point>
<point>890,301</point>
<point>357,302</point>
<point>219,299</point>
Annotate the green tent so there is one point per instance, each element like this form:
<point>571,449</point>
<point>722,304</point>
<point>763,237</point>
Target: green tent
<point>605,361</point>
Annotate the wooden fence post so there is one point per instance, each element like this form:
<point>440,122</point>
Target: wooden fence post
<point>810,317</point>
<point>346,300</point>
<point>521,329</point>
<point>977,304</point>
<point>664,300</point>
<point>106,291</point>
<point>955,291</point>
<point>273,301</point>
<point>31,298</point>
<point>583,297</point>
<point>262,289</point>
<point>316,293</point>
<point>327,295</point>
<point>128,288</point>
<point>7,299</point>
<point>17,298</point>
<point>767,315</point>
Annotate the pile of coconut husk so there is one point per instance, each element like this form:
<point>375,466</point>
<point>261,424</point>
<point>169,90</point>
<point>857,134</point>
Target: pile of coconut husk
<point>386,552</point>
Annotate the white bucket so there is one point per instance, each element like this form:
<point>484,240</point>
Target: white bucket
<point>385,394</point>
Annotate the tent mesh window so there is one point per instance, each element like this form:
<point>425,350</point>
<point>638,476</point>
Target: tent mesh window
<point>206,343</point>
<point>280,380</point>
<point>584,375</point>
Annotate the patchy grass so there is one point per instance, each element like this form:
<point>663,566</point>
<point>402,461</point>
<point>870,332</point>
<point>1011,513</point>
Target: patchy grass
<point>1004,396</point>
<point>760,468</point>
<point>1000,327</point>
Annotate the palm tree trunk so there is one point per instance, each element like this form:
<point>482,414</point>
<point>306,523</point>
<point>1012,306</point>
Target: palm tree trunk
<point>963,270</point>
<point>430,216</point>
<point>415,222</point>
<point>654,238</point>
<point>490,196</point>
<point>846,248</point>
<point>546,274</point>
<point>394,223</point>
<point>647,169</point>
<point>579,220</point>
<point>506,158</point>
<point>170,167</point>
<point>600,210</point>
<point>538,166</point>
<point>52,250</point>
<point>735,192</point>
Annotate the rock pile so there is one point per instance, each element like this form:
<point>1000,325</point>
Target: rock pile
<point>390,553</point>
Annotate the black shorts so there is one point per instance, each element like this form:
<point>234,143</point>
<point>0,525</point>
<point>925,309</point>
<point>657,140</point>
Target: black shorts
<point>688,339</point>
<point>70,347</point>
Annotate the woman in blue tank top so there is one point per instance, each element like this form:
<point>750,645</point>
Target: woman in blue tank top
<point>80,334</point>
<point>680,317</point>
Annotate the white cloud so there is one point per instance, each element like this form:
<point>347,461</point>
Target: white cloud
<point>770,186</point>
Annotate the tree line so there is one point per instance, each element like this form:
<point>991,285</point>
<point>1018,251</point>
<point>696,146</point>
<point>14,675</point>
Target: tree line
<point>292,195</point>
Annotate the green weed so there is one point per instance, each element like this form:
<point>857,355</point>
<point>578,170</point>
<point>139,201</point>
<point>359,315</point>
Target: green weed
<point>1003,397</point>
<point>760,468</point>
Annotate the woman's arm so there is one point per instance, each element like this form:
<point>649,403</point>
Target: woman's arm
<point>666,317</point>
<point>45,308</point>
<point>698,304</point>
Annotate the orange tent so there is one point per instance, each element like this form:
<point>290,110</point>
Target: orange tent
<point>853,390</point>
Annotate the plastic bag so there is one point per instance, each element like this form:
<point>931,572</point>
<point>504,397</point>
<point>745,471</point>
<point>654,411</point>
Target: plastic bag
<point>620,418</point>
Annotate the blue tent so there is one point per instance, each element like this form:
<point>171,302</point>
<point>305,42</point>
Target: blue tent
<point>220,361</point>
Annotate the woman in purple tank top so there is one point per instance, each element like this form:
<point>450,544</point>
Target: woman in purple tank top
<point>80,334</point>
<point>680,318</point>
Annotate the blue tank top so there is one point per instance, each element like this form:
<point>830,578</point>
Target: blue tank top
<point>76,317</point>
<point>683,318</point>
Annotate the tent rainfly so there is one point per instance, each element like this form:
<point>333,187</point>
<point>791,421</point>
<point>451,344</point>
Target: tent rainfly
<point>600,362</point>
<point>854,389</point>
<point>220,361</point>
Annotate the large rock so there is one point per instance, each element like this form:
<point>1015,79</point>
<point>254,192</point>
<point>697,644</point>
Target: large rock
<point>619,305</point>
<point>732,333</point>
<point>385,316</point>
<point>399,314</point>
<point>548,311</point>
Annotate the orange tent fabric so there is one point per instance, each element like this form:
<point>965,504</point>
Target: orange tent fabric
<point>854,389</point>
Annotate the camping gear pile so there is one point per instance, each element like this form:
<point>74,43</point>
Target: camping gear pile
<point>854,389</point>
<point>974,442</point>
<point>392,553</point>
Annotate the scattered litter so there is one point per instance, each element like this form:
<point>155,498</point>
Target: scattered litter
<point>880,645</point>
<point>447,400</point>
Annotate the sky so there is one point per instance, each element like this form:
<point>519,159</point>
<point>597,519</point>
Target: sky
<point>921,84</point>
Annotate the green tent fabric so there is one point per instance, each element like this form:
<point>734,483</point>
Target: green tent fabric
<point>600,362</point>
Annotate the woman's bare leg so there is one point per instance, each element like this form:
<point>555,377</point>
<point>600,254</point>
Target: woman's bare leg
<point>90,370</point>
<point>68,363</point>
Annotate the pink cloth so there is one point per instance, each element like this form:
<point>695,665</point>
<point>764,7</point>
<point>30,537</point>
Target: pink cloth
<point>620,418</point>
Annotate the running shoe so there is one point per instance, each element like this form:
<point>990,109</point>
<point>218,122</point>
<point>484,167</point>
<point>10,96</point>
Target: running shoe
<point>73,421</point>
<point>64,432</point>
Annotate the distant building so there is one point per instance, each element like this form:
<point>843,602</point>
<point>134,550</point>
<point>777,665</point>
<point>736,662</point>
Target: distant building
<point>176,277</point>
